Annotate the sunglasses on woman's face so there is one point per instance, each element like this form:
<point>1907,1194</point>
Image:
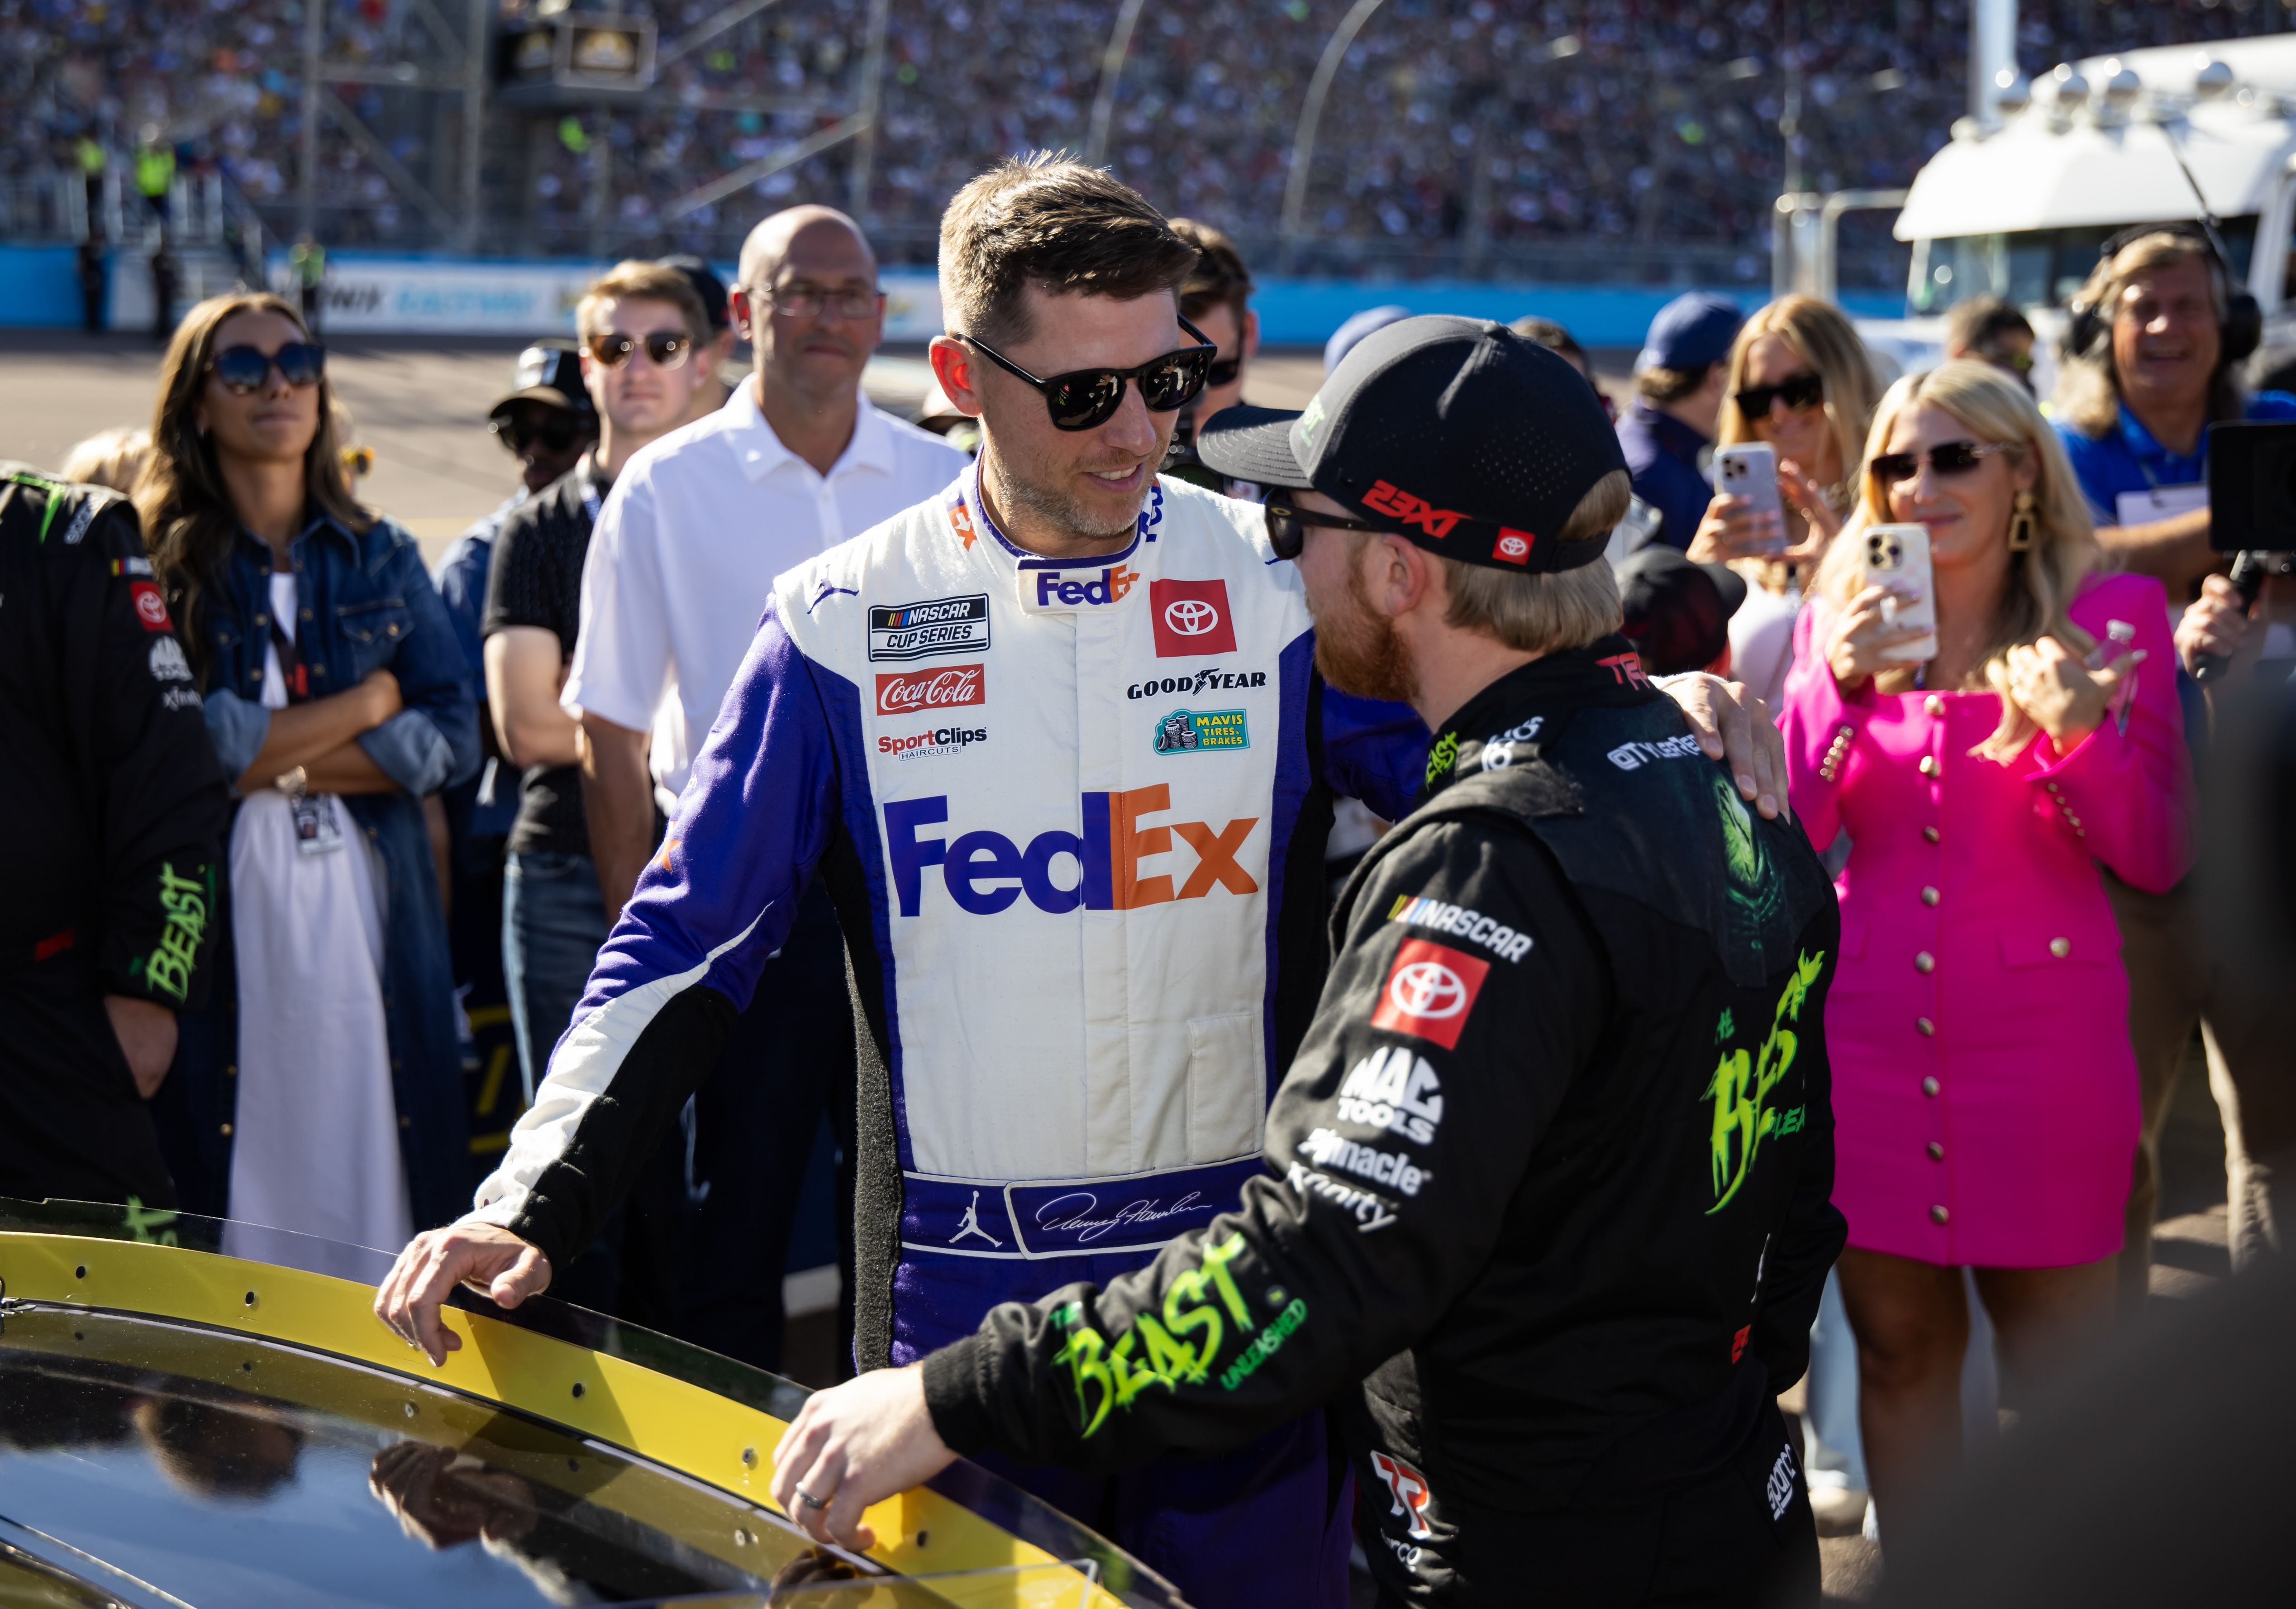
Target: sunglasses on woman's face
<point>1948,458</point>
<point>1084,399</point>
<point>1287,527</point>
<point>1797,391</point>
<point>244,370</point>
<point>666,348</point>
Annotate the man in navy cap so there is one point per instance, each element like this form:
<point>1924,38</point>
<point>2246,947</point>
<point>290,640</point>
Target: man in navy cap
<point>1679,384</point>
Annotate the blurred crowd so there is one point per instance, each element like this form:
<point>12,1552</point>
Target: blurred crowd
<point>1511,123</point>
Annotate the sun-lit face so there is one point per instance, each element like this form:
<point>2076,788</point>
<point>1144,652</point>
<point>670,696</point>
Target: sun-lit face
<point>1804,434</point>
<point>1085,483</point>
<point>2167,339</point>
<point>1967,514</point>
<point>275,421</point>
<point>637,394</point>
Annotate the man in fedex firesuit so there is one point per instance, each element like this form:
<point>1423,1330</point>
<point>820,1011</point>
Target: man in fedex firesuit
<point>1076,971</point>
<point>1549,1183</point>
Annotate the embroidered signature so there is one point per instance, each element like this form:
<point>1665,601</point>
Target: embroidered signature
<point>1080,1205</point>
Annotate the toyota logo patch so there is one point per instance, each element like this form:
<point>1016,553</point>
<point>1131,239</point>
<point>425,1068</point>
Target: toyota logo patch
<point>1191,617</point>
<point>1429,992</point>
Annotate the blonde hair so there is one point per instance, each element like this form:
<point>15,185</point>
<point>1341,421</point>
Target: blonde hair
<point>2088,382</point>
<point>1822,338</point>
<point>113,458</point>
<point>1546,613</point>
<point>635,279</point>
<point>2043,578</point>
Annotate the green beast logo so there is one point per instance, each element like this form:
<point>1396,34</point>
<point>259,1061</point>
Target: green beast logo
<point>1742,1088</point>
<point>186,900</point>
<point>1202,1307</point>
<point>1440,757</point>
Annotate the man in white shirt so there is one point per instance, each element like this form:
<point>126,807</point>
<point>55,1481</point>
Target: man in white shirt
<point>680,566</point>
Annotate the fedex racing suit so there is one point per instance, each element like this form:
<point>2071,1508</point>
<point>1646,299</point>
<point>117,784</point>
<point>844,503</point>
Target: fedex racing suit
<point>1059,804</point>
<point>1550,1180</point>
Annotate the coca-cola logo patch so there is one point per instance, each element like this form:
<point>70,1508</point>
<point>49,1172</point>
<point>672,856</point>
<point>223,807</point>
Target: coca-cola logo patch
<point>948,687</point>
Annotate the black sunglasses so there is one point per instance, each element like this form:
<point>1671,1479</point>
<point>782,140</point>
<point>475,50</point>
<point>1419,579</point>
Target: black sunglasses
<point>1224,372</point>
<point>553,435</point>
<point>245,369</point>
<point>668,348</point>
<point>1948,458</point>
<point>1083,399</point>
<point>1287,527</point>
<point>1797,391</point>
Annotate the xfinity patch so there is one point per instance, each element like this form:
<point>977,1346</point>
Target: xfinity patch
<point>914,631</point>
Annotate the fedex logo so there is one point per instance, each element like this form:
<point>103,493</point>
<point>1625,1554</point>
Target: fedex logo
<point>986,872</point>
<point>1389,500</point>
<point>1055,591</point>
<point>1406,1488</point>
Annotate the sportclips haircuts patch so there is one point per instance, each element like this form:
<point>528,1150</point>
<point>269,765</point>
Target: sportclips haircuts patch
<point>914,631</point>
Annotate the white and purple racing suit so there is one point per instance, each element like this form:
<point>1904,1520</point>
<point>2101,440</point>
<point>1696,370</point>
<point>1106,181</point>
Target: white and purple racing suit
<point>1073,816</point>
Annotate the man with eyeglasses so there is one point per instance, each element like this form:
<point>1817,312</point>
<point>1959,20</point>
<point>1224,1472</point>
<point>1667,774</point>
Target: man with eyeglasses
<point>1053,741</point>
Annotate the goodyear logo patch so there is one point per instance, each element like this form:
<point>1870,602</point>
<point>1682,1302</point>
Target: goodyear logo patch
<point>1193,732</point>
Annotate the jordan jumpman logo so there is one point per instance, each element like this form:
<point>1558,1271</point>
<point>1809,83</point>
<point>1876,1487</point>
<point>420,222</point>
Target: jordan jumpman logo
<point>970,1224</point>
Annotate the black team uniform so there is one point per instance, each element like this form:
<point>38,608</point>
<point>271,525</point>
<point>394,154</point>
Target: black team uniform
<point>111,807</point>
<point>1546,1210</point>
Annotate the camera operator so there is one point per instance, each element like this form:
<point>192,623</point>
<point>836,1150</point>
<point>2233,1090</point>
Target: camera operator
<point>2242,1031</point>
<point>2148,366</point>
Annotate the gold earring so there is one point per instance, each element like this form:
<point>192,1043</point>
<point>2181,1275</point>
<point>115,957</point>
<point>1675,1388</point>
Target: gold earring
<point>2021,524</point>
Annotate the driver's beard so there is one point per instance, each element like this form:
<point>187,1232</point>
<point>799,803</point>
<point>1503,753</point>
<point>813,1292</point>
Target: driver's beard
<point>1055,507</point>
<point>1358,650</point>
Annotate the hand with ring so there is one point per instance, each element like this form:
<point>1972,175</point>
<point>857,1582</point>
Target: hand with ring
<point>856,1445</point>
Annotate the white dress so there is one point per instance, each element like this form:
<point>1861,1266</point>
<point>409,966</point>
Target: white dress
<point>316,1148</point>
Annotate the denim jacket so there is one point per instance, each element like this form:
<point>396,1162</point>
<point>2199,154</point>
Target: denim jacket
<point>366,602</point>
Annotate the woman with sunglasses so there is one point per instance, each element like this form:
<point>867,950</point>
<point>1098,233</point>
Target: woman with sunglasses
<point>1800,380</point>
<point>321,1090</point>
<point>1985,1093</point>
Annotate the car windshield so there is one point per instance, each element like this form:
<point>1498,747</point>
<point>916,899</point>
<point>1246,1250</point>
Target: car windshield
<point>170,1438</point>
<point>2037,268</point>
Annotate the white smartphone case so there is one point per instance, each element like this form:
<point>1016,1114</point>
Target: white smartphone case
<point>1898,557</point>
<point>1749,470</point>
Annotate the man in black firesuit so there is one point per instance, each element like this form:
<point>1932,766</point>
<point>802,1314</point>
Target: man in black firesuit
<point>110,814</point>
<point>1545,1217</point>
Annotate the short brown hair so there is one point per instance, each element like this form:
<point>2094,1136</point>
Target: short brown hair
<point>1219,278</point>
<point>635,279</point>
<point>1546,613</point>
<point>1047,220</point>
<point>1662,385</point>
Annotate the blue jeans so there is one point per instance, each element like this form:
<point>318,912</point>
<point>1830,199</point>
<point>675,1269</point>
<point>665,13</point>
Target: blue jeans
<point>554,921</point>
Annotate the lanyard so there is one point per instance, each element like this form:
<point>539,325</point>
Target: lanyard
<point>292,674</point>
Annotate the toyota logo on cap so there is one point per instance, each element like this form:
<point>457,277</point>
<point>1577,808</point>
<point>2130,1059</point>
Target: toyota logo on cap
<point>1191,617</point>
<point>1429,989</point>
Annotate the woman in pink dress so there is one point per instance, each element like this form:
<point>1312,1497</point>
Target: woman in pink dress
<point>1985,1095</point>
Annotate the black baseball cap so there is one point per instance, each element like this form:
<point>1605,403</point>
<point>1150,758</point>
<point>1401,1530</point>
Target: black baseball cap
<point>1677,613</point>
<point>1457,434</point>
<point>549,373</point>
<point>706,285</point>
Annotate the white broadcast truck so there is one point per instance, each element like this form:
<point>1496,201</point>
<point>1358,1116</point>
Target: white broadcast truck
<point>2152,135</point>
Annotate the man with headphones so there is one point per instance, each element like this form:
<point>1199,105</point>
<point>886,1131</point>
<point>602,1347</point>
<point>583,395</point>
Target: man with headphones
<point>2148,366</point>
<point>2149,362</point>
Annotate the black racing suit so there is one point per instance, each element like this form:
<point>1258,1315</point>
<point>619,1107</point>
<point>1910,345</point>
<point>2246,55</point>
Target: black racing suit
<point>110,807</point>
<point>1547,1210</point>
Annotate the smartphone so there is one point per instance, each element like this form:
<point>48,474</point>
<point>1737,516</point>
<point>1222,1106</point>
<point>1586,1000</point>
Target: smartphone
<point>1898,557</point>
<point>1749,470</point>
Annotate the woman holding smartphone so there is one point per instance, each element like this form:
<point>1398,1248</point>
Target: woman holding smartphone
<point>321,1090</point>
<point>1985,1091</point>
<point>1802,384</point>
